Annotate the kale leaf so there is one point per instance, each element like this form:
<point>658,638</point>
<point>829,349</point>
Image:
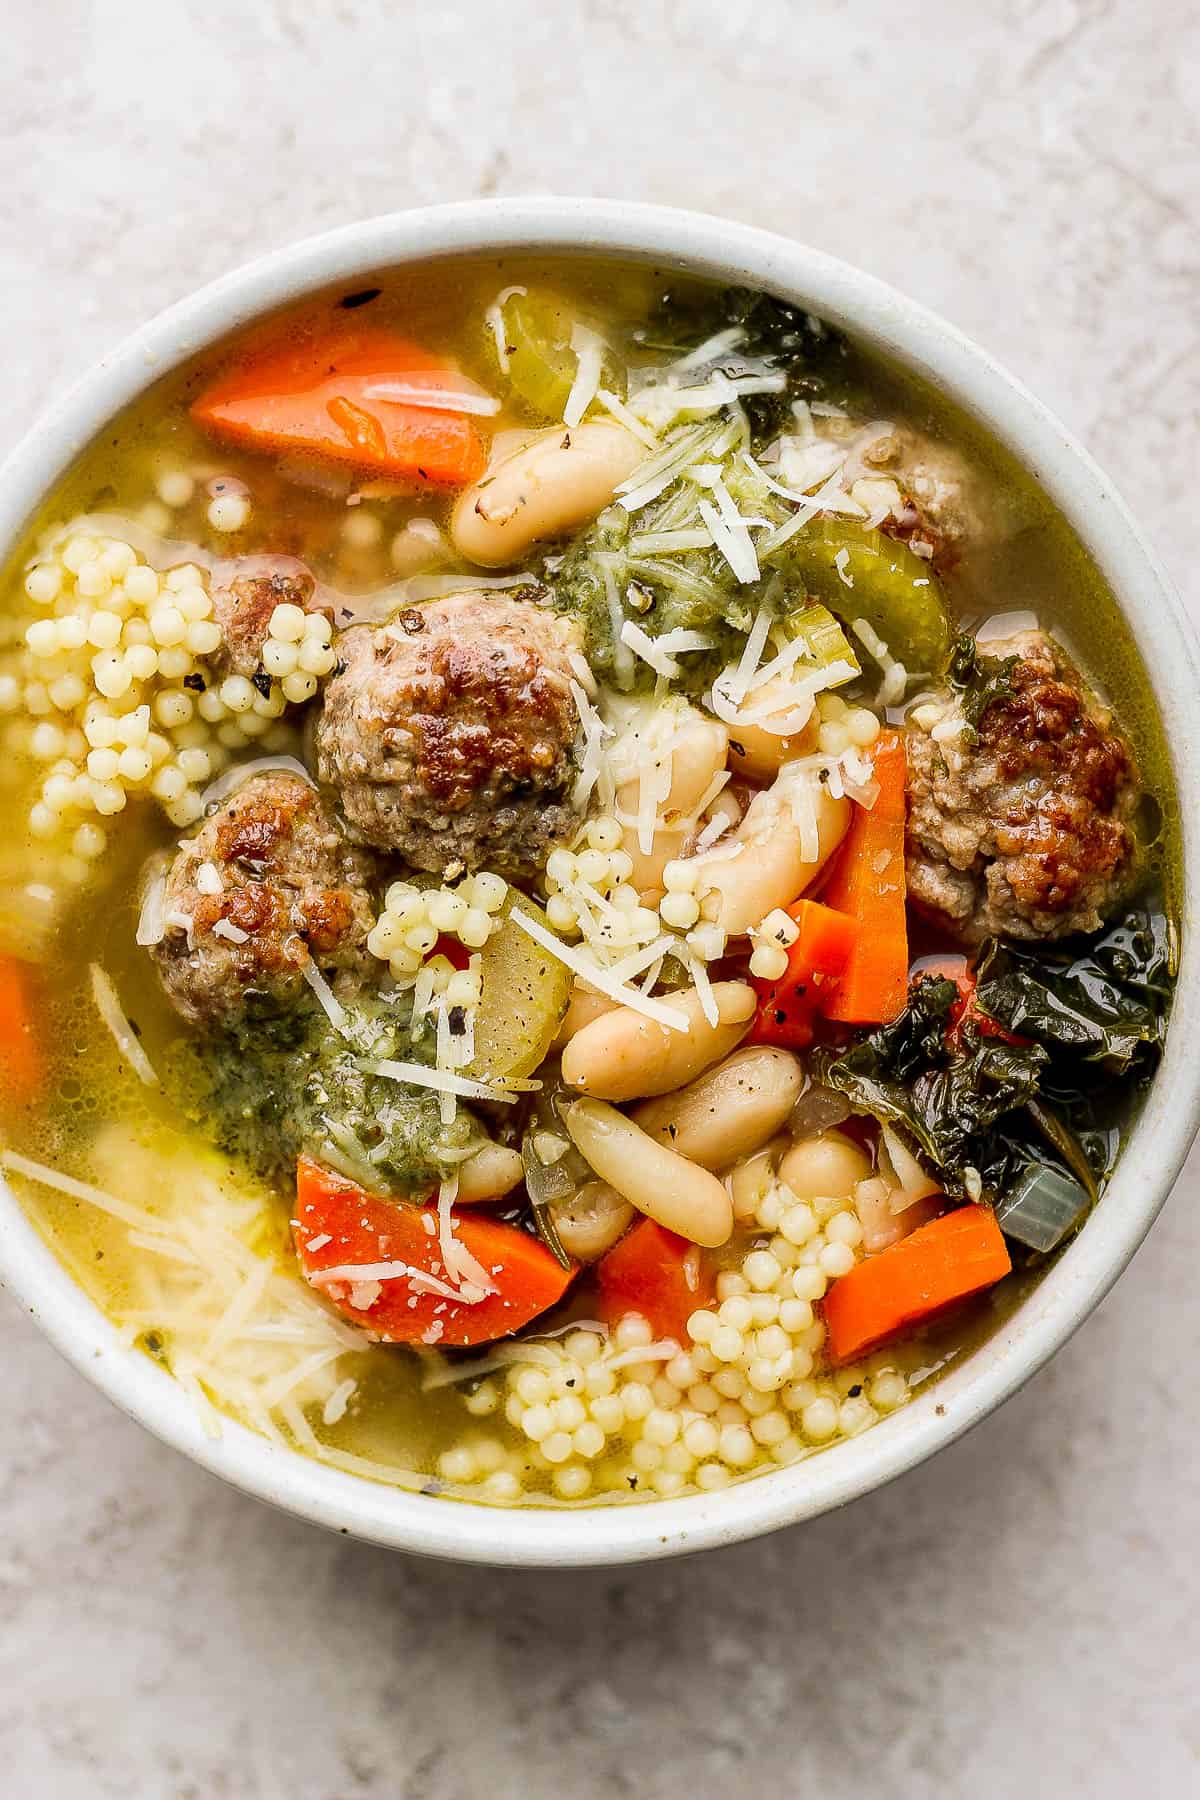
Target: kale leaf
<point>981,680</point>
<point>968,1100</point>
<point>1106,1003</point>
<point>948,1092</point>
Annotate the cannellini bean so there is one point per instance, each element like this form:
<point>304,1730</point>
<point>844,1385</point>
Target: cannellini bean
<point>699,747</point>
<point>824,1167</point>
<point>678,1194</point>
<point>583,1008</point>
<point>492,1172</point>
<point>748,1183</point>
<point>625,1056</point>
<point>757,754</point>
<point>770,869</point>
<point>729,1111</point>
<point>592,1220</point>
<point>547,488</point>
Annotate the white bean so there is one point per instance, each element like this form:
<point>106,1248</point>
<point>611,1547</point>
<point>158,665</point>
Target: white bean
<point>544,490</point>
<point>756,754</point>
<point>770,869</point>
<point>824,1167</point>
<point>729,1111</point>
<point>625,1056</point>
<point>677,1194</point>
<point>699,746</point>
<point>583,1008</point>
<point>492,1172</point>
<point>592,1221</point>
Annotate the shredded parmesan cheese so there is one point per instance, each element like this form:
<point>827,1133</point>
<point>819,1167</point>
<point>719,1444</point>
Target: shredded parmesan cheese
<point>590,971</point>
<point>111,1011</point>
<point>588,346</point>
<point>328,1001</point>
<point>494,315</point>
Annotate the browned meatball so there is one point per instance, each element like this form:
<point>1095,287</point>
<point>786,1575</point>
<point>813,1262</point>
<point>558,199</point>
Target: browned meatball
<point>1024,833</point>
<point>290,890</point>
<point>448,733</point>
<point>242,607</point>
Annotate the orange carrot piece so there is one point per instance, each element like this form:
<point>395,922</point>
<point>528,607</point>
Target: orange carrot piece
<point>653,1272</point>
<point>949,1259</point>
<point>338,1225</point>
<point>868,883</point>
<point>311,396</point>
<point>815,964</point>
<point>22,1066</point>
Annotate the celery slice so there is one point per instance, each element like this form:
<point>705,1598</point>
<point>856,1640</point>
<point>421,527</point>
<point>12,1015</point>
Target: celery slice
<point>861,574</point>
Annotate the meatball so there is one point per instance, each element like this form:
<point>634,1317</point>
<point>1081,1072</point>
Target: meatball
<point>243,606</point>
<point>448,733</point>
<point>1024,832</point>
<point>266,885</point>
<point>932,498</point>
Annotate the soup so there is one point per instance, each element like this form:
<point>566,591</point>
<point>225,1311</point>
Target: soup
<point>587,892</point>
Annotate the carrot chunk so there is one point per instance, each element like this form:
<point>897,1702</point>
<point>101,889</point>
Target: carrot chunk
<point>404,1293</point>
<point>815,963</point>
<point>949,1259</point>
<point>656,1273</point>
<point>21,1063</point>
<point>868,884</point>
<point>316,396</point>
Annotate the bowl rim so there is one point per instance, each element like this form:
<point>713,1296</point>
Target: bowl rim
<point>597,1534</point>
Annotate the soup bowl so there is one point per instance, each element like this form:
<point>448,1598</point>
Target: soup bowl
<point>926,346</point>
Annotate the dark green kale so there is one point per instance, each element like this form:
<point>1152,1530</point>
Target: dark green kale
<point>1106,1003</point>
<point>970,1100</point>
<point>981,680</point>
<point>948,1091</point>
<point>814,355</point>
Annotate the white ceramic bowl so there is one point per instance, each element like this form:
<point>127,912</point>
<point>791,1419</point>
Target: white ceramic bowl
<point>1073,1287</point>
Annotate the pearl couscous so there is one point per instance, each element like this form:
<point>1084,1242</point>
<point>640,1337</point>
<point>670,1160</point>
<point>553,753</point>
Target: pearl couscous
<point>542,956</point>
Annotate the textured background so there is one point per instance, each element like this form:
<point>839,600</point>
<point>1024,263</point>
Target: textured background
<point>1024,1612</point>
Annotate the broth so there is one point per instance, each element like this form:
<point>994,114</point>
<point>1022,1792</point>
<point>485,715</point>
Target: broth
<point>204,1262</point>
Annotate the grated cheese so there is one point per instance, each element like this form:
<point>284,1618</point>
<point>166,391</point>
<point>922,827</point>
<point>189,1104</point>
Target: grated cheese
<point>729,530</point>
<point>399,391</point>
<point>444,1082</point>
<point>623,416</point>
<point>660,652</point>
<point>589,349</point>
<point>376,1273</point>
<point>328,1001</point>
<point>590,971</point>
<point>494,314</point>
<point>335,1406</point>
<point>225,928</point>
<point>109,1007</point>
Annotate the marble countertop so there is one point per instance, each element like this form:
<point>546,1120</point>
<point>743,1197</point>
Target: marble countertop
<point>1024,1613</point>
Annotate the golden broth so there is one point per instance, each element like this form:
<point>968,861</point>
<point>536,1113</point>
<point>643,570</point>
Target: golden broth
<point>95,1120</point>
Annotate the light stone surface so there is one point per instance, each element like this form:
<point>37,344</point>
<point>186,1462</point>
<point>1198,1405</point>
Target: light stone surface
<point>1021,1616</point>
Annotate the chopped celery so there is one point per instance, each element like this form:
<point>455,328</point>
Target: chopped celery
<point>862,574</point>
<point>826,640</point>
<point>523,999</point>
<point>541,361</point>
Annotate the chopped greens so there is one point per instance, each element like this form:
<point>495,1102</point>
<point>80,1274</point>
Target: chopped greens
<point>272,1089</point>
<point>980,680</point>
<point>948,1101</point>
<point>1106,1003</point>
<point>982,1110</point>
